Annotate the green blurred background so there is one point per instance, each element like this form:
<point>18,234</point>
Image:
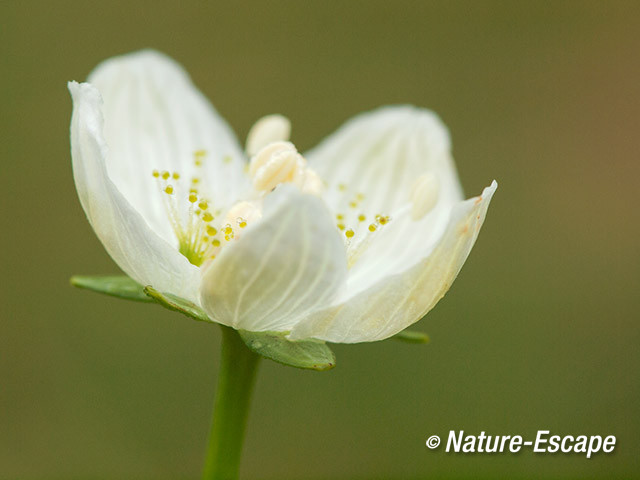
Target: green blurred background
<point>540,331</point>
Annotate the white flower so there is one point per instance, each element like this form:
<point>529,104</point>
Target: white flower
<point>350,242</point>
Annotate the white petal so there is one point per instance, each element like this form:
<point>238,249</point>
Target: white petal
<point>371,165</point>
<point>155,118</point>
<point>285,266</point>
<point>380,154</point>
<point>136,249</point>
<point>397,301</point>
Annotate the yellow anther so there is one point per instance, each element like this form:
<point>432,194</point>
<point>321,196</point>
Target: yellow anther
<point>340,216</point>
<point>242,214</point>
<point>362,217</point>
<point>342,187</point>
<point>199,153</point>
<point>341,226</point>
<point>227,159</point>
<point>353,204</point>
<point>198,239</point>
<point>360,196</point>
<point>349,233</point>
<point>372,227</point>
<point>198,162</point>
<point>383,220</point>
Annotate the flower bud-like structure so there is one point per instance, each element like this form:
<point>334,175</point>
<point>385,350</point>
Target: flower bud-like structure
<point>269,129</point>
<point>276,163</point>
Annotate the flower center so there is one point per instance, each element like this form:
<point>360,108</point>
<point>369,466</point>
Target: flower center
<point>193,218</point>
<point>202,231</point>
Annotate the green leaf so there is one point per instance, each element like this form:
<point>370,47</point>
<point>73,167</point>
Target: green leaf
<point>309,354</point>
<point>412,336</point>
<point>177,304</point>
<point>119,286</point>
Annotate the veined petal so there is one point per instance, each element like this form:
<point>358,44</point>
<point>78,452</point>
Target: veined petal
<point>397,301</point>
<point>156,119</point>
<point>283,267</point>
<point>137,250</point>
<point>375,157</point>
<point>371,165</point>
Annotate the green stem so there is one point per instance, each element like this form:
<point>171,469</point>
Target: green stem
<point>236,377</point>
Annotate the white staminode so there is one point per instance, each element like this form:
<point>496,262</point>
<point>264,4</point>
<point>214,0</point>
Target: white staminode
<point>280,162</point>
<point>276,163</point>
<point>424,195</point>
<point>271,128</point>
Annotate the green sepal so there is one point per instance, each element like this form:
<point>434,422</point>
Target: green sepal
<point>308,354</point>
<point>177,304</point>
<point>119,286</point>
<point>412,336</point>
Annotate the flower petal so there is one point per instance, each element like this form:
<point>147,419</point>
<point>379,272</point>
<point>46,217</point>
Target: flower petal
<point>380,154</point>
<point>155,118</point>
<point>372,165</point>
<point>285,266</point>
<point>137,250</point>
<point>397,301</point>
